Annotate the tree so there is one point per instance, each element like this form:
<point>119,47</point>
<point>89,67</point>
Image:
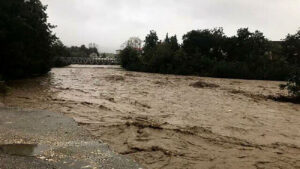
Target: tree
<point>59,49</point>
<point>167,39</point>
<point>291,48</point>
<point>206,42</point>
<point>174,43</point>
<point>208,52</point>
<point>164,55</point>
<point>149,49</point>
<point>25,39</point>
<point>293,84</point>
<point>151,41</point>
<point>93,48</point>
<point>104,55</point>
<point>248,46</point>
<point>130,59</point>
<point>82,51</point>
<point>133,42</point>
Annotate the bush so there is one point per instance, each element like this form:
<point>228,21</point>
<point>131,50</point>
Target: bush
<point>293,84</point>
<point>130,59</point>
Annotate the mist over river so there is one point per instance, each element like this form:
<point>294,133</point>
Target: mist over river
<point>170,121</point>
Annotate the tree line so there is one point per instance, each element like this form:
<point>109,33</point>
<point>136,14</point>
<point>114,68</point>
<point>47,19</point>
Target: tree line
<point>209,52</point>
<point>28,47</point>
<point>60,50</point>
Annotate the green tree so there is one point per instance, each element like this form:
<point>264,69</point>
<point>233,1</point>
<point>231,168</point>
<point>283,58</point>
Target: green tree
<point>291,48</point>
<point>162,59</point>
<point>208,52</point>
<point>82,51</point>
<point>206,42</point>
<point>149,49</point>
<point>174,43</point>
<point>25,39</point>
<point>59,50</point>
<point>151,41</point>
<point>248,46</point>
<point>293,84</point>
<point>130,59</point>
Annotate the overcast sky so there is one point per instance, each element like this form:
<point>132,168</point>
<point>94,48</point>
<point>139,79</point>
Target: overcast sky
<point>111,22</point>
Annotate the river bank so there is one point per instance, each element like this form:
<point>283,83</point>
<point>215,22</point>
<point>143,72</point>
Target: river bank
<point>169,121</point>
<point>46,140</point>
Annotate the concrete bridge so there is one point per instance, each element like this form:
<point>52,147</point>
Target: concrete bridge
<point>89,61</point>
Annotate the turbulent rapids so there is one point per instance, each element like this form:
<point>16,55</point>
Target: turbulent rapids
<point>169,121</point>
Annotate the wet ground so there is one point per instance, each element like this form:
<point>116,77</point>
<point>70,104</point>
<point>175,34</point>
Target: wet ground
<point>40,139</point>
<point>169,121</point>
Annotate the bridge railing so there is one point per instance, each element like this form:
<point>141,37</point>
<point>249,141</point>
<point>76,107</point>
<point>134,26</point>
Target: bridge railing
<point>89,61</point>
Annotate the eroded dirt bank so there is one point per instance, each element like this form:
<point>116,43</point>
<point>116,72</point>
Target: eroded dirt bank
<point>168,121</point>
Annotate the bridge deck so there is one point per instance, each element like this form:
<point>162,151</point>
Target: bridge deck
<point>89,61</point>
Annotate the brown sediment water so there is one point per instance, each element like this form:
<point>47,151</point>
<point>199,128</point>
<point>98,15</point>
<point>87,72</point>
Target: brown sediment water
<point>169,121</point>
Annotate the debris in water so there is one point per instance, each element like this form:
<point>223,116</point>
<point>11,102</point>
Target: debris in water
<point>201,84</point>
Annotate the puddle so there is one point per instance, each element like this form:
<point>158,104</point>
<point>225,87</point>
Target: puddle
<point>23,149</point>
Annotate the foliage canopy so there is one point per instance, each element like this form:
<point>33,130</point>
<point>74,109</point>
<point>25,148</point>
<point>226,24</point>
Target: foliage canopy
<point>26,39</point>
<point>208,52</point>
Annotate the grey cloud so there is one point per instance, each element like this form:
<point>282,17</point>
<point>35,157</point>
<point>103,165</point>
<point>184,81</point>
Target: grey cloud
<point>110,22</point>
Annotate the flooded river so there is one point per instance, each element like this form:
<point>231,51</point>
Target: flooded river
<point>169,121</point>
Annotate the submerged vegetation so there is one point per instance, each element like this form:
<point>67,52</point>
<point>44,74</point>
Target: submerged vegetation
<point>293,85</point>
<point>247,55</point>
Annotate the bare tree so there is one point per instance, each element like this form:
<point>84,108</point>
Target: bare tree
<point>133,42</point>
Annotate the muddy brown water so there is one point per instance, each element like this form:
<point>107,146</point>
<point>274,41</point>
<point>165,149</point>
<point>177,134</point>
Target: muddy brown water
<point>169,121</point>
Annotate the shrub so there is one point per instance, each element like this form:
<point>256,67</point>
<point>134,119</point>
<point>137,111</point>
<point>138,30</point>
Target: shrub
<point>130,59</point>
<point>293,84</point>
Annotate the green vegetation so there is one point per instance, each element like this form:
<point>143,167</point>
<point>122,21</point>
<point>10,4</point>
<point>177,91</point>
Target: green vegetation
<point>81,51</point>
<point>27,45</point>
<point>293,85</point>
<point>291,50</point>
<point>60,50</point>
<point>247,55</point>
<point>26,39</point>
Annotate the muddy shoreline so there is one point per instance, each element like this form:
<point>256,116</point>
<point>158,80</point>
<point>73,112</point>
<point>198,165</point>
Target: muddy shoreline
<point>169,121</point>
